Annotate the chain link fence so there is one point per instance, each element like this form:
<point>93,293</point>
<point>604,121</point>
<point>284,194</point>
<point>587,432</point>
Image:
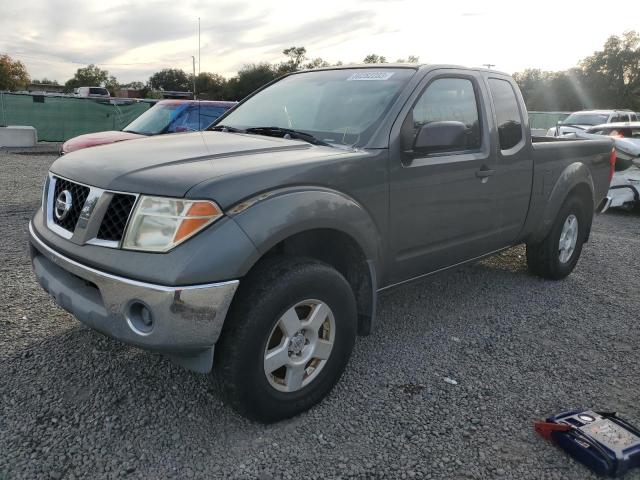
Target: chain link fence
<point>58,118</point>
<point>546,120</point>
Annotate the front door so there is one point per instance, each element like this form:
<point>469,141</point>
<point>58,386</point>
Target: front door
<point>442,203</point>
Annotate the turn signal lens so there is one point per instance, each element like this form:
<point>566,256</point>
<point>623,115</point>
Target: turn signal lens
<point>198,216</point>
<point>612,164</point>
<point>158,224</point>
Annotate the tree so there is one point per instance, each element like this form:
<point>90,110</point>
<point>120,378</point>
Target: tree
<point>317,63</point>
<point>13,74</point>
<point>89,76</point>
<point>173,79</point>
<point>296,57</point>
<point>609,78</point>
<point>250,78</point>
<point>45,81</point>
<point>374,58</point>
<point>616,68</point>
<point>545,91</point>
<point>411,59</point>
<point>112,85</point>
<point>211,86</point>
<point>133,85</point>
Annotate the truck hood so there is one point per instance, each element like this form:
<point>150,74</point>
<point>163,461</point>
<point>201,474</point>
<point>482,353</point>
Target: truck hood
<point>95,139</point>
<point>170,165</point>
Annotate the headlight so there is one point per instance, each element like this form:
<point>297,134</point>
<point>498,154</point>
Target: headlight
<point>158,224</point>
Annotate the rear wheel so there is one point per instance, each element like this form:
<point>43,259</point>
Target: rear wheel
<point>287,339</point>
<point>556,256</point>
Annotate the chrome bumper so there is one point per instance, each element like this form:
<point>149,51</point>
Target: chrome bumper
<point>183,322</point>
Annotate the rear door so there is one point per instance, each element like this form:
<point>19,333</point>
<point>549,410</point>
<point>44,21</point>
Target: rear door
<point>442,204</point>
<point>513,176</point>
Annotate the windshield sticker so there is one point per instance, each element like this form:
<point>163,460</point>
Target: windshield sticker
<point>370,76</point>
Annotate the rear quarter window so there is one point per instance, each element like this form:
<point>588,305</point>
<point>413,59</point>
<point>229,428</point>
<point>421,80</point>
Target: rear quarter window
<point>508,117</point>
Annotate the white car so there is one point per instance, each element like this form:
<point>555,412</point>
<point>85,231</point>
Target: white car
<point>586,119</point>
<point>625,184</point>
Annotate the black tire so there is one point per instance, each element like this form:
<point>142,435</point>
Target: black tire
<point>543,258</point>
<point>270,289</point>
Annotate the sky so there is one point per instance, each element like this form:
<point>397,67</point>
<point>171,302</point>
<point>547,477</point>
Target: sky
<point>133,39</point>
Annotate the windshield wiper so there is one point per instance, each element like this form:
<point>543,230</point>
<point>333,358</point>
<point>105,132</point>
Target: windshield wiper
<point>225,128</point>
<point>286,133</point>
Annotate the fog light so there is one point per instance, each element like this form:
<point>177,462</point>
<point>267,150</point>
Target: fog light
<point>140,318</point>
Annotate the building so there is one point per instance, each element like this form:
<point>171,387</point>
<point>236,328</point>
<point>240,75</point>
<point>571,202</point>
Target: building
<point>129,93</point>
<point>45,87</point>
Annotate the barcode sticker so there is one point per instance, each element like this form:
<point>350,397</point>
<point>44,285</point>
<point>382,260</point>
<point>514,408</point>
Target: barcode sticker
<point>370,76</point>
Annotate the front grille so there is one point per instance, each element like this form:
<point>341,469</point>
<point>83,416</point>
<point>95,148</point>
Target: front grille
<point>79,195</point>
<point>116,216</point>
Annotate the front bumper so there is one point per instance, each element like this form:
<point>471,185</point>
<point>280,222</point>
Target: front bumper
<point>183,322</point>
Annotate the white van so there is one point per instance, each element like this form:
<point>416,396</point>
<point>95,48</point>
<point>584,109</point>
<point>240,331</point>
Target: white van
<point>93,92</point>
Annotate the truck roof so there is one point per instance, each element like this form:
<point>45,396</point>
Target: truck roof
<point>212,103</point>
<point>413,66</point>
<point>605,111</point>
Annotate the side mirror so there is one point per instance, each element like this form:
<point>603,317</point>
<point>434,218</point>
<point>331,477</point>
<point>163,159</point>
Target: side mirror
<point>441,137</point>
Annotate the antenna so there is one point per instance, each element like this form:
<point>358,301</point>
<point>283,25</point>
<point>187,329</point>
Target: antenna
<point>198,45</point>
<point>489,65</point>
<point>194,76</point>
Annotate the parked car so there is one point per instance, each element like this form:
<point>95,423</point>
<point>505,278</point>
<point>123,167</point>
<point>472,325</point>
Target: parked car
<point>588,118</point>
<point>166,116</point>
<point>92,92</point>
<point>264,241</point>
<point>625,184</point>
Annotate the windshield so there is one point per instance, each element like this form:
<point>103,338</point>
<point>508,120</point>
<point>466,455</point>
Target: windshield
<point>586,118</point>
<point>172,118</point>
<point>335,106</point>
<point>155,120</point>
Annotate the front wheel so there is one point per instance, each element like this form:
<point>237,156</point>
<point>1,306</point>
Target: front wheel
<point>556,256</point>
<point>287,339</point>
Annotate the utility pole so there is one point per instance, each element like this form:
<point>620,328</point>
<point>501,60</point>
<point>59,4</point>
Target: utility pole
<point>194,76</point>
<point>489,65</point>
<point>199,46</point>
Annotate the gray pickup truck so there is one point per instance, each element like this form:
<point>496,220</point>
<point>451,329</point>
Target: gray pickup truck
<point>263,242</point>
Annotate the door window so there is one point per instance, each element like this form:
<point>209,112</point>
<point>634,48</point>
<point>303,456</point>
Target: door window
<point>449,99</point>
<point>208,115</point>
<point>508,116</point>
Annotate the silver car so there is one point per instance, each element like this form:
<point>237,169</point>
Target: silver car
<point>586,119</point>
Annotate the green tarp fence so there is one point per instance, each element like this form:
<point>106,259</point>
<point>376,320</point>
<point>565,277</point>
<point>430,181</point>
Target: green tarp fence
<point>58,118</point>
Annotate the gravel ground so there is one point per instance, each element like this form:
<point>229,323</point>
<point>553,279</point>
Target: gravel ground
<point>75,404</point>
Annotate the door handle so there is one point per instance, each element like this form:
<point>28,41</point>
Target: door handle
<point>484,173</point>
